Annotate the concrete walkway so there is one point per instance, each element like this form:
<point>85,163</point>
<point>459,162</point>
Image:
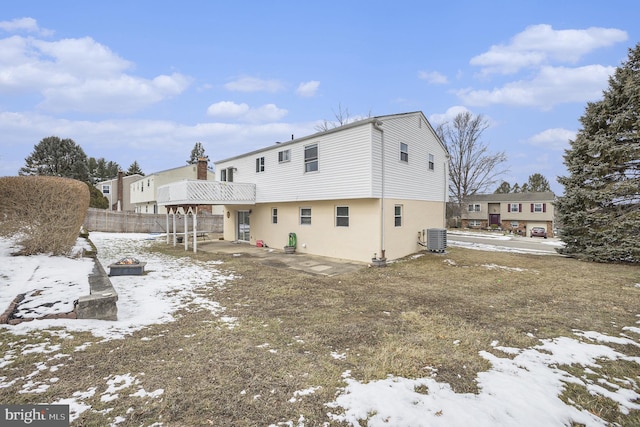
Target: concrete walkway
<point>277,258</point>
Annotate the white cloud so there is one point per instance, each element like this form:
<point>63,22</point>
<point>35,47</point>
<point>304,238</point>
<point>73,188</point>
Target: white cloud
<point>79,75</point>
<point>29,25</point>
<point>121,94</point>
<point>556,139</point>
<point>449,115</point>
<point>540,44</point>
<point>227,109</point>
<point>308,89</point>
<point>242,112</point>
<point>254,84</point>
<point>433,77</point>
<point>551,86</point>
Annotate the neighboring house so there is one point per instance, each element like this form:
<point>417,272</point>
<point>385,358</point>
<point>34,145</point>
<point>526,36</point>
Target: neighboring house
<point>143,192</point>
<point>516,212</point>
<point>118,191</point>
<point>364,190</point>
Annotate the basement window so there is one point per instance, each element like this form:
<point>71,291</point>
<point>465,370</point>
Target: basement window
<point>305,216</point>
<point>342,216</point>
<point>397,215</point>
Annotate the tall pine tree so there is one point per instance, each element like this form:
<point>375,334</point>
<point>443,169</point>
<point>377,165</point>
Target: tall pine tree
<point>600,210</point>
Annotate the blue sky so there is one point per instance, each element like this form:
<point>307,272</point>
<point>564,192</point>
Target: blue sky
<point>146,80</point>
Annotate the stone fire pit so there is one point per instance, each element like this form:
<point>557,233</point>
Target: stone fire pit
<point>127,267</point>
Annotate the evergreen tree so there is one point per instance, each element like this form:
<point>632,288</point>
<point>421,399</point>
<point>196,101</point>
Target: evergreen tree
<point>134,168</point>
<point>516,188</point>
<point>197,153</point>
<point>537,183</point>
<point>97,199</point>
<point>53,156</point>
<point>504,188</point>
<point>600,209</point>
<point>102,170</point>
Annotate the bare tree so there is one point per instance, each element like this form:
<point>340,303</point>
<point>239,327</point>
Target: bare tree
<point>472,168</point>
<point>342,117</point>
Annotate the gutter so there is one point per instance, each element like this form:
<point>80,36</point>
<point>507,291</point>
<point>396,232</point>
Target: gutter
<point>376,125</point>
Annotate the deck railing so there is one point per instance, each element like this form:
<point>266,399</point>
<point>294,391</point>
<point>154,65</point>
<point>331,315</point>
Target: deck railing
<point>200,192</point>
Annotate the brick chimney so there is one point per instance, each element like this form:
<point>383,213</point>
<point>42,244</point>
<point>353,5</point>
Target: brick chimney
<point>120,205</point>
<point>201,172</point>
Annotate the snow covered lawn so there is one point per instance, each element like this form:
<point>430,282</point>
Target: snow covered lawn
<point>522,387</point>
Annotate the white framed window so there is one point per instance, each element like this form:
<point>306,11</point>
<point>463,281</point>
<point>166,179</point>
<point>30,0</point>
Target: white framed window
<point>226,174</point>
<point>305,216</point>
<point>404,152</point>
<point>537,207</point>
<point>106,189</point>
<point>475,223</point>
<point>474,207</point>
<point>274,215</point>
<point>284,156</point>
<point>260,164</point>
<point>432,162</point>
<point>342,216</point>
<point>311,158</point>
<point>514,224</point>
<point>397,215</point>
<point>515,207</point>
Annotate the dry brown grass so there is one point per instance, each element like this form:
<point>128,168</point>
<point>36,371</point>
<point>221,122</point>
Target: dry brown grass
<point>46,212</point>
<point>434,312</point>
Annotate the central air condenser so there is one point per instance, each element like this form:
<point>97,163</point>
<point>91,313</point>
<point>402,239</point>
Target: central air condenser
<point>436,239</point>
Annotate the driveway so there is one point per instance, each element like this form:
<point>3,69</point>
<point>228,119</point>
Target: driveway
<point>493,241</point>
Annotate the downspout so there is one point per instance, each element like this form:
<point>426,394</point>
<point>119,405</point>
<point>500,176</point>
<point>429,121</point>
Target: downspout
<point>376,126</point>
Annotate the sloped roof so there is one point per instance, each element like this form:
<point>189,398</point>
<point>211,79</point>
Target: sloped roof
<point>514,197</point>
<point>336,129</point>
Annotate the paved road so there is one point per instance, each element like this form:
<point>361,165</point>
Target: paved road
<point>499,242</point>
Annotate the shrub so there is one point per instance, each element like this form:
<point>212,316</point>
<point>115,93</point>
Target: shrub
<point>44,212</point>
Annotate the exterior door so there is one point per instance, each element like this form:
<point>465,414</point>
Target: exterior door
<point>243,231</point>
<point>494,219</point>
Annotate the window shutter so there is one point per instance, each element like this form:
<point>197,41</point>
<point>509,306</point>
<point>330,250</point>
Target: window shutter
<point>519,207</point>
<point>531,207</point>
<point>544,207</point>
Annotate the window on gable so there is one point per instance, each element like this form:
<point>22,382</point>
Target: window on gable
<point>432,163</point>
<point>397,215</point>
<point>260,164</point>
<point>284,156</point>
<point>311,158</point>
<point>342,216</point>
<point>474,207</point>
<point>274,215</point>
<point>404,152</point>
<point>305,216</point>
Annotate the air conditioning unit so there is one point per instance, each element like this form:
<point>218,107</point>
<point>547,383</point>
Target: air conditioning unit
<point>436,239</point>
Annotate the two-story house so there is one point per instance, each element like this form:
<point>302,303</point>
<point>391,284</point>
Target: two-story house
<point>117,191</point>
<point>364,190</point>
<point>143,191</point>
<point>516,212</point>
